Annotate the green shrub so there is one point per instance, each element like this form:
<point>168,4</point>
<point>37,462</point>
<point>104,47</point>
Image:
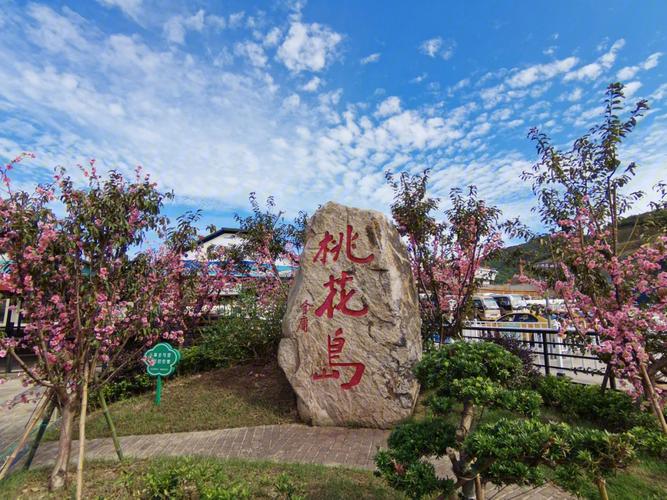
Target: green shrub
<point>612,410</point>
<point>472,376</point>
<point>250,329</point>
<point>188,478</point>
<point>288,489</point>
<point>651,442</point>
<point>192,360</point>
<point>129,385</point>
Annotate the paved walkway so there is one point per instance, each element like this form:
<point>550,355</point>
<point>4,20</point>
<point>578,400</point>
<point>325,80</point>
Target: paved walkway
<point>12,420</point>
<point>279,443</point>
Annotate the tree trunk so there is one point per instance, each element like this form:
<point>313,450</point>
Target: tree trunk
<point>468,490</point>
<point>58,477</point>
<point>467,415</point>
<point>82,435</point>
<point>463,465</point>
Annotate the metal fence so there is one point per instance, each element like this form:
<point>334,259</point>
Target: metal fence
<point>15,330</point>
<point>552,354</point>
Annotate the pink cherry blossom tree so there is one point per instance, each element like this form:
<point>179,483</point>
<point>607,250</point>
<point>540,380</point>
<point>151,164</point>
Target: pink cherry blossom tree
<point>608,288</point>
<point>267,240</point>
<point>93,298</point>
<point>447,255</point>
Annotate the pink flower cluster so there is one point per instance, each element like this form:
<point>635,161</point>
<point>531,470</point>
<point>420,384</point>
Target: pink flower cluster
<point>623,300</point>
<point>85,298</point>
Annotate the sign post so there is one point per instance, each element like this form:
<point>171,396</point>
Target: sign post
<point>161,361</point>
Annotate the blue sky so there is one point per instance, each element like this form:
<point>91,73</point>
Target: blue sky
<point>314,101</point>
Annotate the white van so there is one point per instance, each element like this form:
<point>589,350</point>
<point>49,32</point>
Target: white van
<point>485,308</point>
<point>510,303</point>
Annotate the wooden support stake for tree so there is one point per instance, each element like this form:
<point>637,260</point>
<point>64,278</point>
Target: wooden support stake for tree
<point>606,377</point>
<point>41,408</point>
<point>40,433</point>
<point>602,488</point>
<point>480,494</point>
<point>82,435</point>
<point>112,427</point>
<point>653,399</point>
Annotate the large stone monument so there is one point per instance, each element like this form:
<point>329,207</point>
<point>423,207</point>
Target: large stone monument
<point>351,333</point>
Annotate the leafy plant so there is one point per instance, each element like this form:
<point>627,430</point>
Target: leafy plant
<point>467,378</point>
<point>94,297</point>
<point>649,441</point>
<point>288,489</point>
<point>613,410</point>
<point>446,256</point>
<point>583,192</point>
<point>189,478</point>
<point>470,376</point>
<point>249,329</point>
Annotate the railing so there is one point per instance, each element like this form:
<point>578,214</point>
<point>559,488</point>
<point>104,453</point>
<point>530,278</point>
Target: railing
<point>12,330</point>
<point>552,353</point>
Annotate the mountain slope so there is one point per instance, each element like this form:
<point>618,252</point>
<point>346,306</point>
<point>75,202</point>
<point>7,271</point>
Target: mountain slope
<point>633,232</point>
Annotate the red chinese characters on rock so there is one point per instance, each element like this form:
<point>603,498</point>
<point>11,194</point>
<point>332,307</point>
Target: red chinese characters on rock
<point>328,306</point>
<point>335,346</point>
<point>337,299</point>
<point>350,237</point>
<point>303,320</point>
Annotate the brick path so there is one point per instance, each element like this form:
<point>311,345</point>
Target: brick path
<point>279,443</point>
<point>12,421</point>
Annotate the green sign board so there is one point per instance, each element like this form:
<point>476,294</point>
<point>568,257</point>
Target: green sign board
<point>161,361</point>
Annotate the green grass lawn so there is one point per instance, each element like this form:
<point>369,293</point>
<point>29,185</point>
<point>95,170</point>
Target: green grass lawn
<point>646,480</point>
<point>246,395</point>
<point>224,479</point>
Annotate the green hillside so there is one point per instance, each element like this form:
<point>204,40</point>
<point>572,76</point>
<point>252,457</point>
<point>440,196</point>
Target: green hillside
<point>634,231</point>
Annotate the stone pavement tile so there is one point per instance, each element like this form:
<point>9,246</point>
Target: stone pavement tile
<point>334,446</point>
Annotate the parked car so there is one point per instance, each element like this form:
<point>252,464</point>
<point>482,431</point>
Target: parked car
<point>485,308</point>
<point>531,319</point>
<point>510,303</point>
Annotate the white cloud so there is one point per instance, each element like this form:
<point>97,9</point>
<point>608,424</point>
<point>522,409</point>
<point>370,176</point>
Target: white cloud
<point>461,84</point>
<point>390,106</point>
<point>629,72</point>
<point>419,78</point>
<point>437,46</point>
<point>587,117</point>
<point>236,19</point>
<point>176,27</point>
<point>479,130</point>
<point>431,46</point>
<point>652,61</point>
<point>217,22</point>
<point>308,47</point>
<point>575,95</point>
<point>594,70</point>
<point>272,37</point>
<point>541,72</point>
<point>375,57</point>
<point>631,88</point>
<point>55,32</point>
<point>253,52</point>
<point>292,101</point>
<point>501,114</point>
<point>549,51</point>
<point>72,91</point>
<point>660,93</point>
<point>312,85</point>
<point>131,8</point>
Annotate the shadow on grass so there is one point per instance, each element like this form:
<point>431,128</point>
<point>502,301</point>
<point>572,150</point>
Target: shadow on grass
<point>245,395</point>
